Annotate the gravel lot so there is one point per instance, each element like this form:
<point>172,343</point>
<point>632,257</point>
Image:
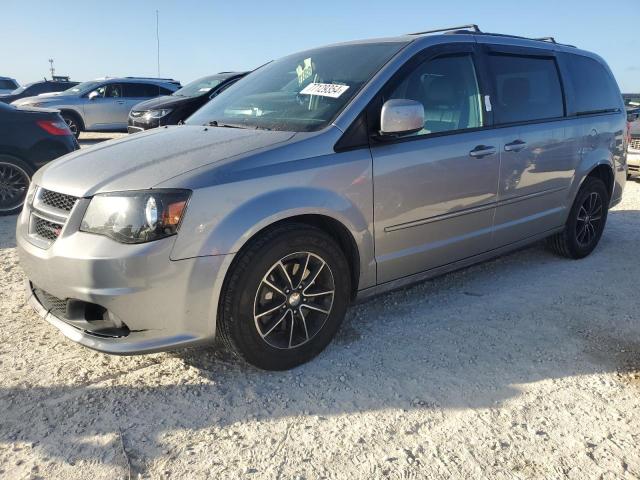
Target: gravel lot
<point>526,366</point>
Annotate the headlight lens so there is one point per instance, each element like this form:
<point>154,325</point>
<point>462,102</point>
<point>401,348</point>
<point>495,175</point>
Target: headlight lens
<point>136,217</point>
<point>157,113</point>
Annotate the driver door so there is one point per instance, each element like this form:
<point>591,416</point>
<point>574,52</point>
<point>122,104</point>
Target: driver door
<point>103,108</point>
<point>435,190</point>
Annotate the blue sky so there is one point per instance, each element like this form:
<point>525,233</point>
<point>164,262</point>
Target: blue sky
<point>90,39</point>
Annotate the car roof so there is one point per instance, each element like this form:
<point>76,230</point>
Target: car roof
<point>153,81</point>
<point>471,33</point>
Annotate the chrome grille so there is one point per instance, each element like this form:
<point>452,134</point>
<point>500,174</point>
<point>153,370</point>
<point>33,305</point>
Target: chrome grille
<point>45,229</point>
<point>635,144</point>
<point>57,306</point>
<point>57,200</point>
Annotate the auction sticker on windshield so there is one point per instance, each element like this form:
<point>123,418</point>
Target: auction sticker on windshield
<point>325,89</point>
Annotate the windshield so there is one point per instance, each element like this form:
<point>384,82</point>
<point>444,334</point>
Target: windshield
<point>81,88</point>
<point>300,93</point>
<point>199,87</point>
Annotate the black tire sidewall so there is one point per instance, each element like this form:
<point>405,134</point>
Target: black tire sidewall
<point>239,297</point>
<point>24,166</point>
<point>590,185</point>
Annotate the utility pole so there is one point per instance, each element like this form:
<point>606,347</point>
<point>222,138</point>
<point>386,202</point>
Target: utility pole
<point>51,69</point>
<point>158,39</point>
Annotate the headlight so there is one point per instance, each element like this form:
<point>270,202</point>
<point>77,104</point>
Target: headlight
<point>157,113</point>
<point>136,217</point>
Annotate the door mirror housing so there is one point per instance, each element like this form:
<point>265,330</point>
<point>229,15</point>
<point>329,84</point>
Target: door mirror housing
<point>401,117</point>
<point>93,95</point>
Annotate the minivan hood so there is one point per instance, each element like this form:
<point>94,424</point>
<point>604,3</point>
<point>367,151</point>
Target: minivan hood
<point>146,159</point>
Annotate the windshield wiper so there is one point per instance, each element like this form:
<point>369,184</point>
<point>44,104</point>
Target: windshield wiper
<point>215,123</point>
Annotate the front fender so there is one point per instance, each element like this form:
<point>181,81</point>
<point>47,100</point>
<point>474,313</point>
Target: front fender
<point>221,219</point>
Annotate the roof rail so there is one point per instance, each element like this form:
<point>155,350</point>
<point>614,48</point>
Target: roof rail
<point>546,39</point>
<point>471,26</point>
<point>153,78</point>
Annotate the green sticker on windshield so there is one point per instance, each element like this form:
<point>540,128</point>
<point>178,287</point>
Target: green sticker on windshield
<point>304,71</point>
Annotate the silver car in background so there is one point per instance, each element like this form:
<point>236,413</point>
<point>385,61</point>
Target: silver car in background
<point>102,105</point>
<point>321,178</point>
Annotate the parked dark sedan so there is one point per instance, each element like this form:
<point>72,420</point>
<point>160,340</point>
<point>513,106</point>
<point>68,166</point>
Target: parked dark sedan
<point>172,109</point>
<point>29,138</point>
<point>37,88</point>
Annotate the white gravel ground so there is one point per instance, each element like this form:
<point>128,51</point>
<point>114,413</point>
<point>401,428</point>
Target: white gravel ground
<point>523,367</point>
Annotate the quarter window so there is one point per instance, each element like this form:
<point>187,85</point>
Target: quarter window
<point>593,87</point>
<point>448,89</point>
<point>526,88</point>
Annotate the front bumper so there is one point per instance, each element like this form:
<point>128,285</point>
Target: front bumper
<point>163,304</point>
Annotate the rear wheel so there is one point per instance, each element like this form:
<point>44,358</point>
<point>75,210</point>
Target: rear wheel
<point>285,297</point>
<point>73,123</point>
<point>585,223</point>
<point>15,176</point>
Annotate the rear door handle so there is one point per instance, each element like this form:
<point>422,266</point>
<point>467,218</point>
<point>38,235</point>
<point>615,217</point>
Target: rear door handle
<point>515,146</point>
<point>120,102</point>
<point>482,151</point>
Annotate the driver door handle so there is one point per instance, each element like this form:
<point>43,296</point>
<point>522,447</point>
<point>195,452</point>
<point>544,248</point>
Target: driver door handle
<point>515,146</point>
<point>483,151</point>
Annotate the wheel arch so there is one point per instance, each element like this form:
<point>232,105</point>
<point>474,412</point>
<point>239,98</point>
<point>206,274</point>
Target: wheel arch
<point>327,224</point>
<point>75,114</point>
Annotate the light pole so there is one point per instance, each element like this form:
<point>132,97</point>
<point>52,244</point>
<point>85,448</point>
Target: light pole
<point>158,39</point>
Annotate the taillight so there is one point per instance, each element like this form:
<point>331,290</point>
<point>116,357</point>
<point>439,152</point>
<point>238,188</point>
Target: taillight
<point>54,127</point>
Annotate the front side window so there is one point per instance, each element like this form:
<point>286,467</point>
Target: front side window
<point>526,88</point>
<point>594,89</point>
<point>447,87</point>
<point>299,93</point>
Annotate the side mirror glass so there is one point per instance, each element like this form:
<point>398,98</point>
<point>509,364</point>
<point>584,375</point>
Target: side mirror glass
<point>401,117</point>
<point>93,95</point>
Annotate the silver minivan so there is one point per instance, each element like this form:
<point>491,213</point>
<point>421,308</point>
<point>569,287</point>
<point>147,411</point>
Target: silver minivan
<point>319,179</point>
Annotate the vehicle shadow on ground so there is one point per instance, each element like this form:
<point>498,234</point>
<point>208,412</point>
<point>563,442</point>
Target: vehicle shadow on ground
<point>467,340</point>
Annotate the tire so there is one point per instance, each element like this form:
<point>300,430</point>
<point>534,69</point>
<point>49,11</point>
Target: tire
<point>306,316</point>
<point>15,177</point>
<point>585,223</point>
<point>73,122</point>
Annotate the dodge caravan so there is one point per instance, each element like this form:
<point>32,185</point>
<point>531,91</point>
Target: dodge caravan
<point>319,179</point>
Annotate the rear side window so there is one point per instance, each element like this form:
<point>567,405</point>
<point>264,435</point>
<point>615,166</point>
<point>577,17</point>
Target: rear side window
<point>140,90</point>
<point>594,89</point>
<point>526,88</point>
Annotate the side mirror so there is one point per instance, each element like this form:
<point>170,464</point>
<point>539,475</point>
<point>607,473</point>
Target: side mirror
<point>93,95</point>
<point>401,117</point>
<point>632,117</point>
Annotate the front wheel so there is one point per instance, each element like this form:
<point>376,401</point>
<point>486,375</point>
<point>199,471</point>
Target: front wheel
<point>15,176</point>
<point>285,298</point>
<point>585,223</point>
